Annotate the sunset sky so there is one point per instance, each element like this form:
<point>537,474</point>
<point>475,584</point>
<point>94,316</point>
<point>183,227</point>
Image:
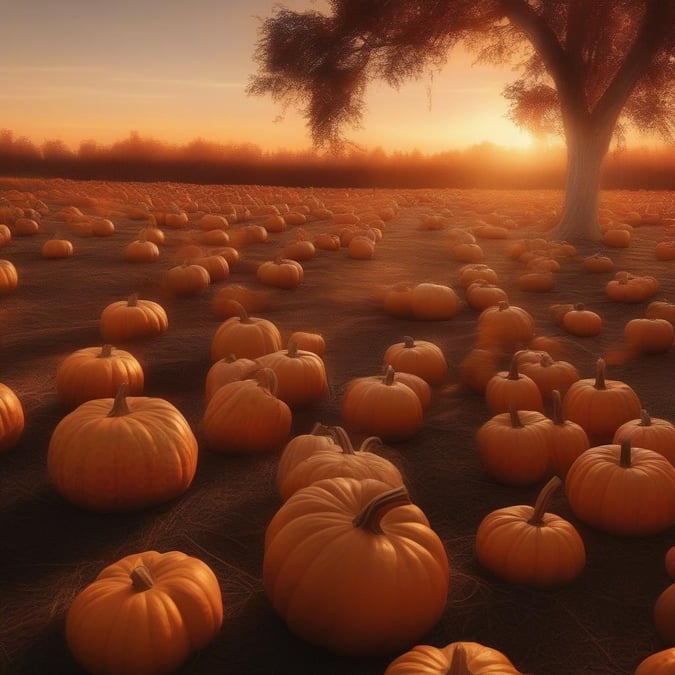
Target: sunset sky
<point>175,70</point>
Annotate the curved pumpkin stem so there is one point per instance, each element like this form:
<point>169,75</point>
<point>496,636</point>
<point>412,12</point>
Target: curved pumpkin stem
<point>645,419</point>
<point>320,429</point>
<point>141,579</point>
<point>600,374</point>
<point>389,376</point>
<point>120,407</point>
<point>370,442</point>
<point>513,368</point>
<point>544,497</point>
<point>106,351</point>
<point>502,305</point>
<point>625,456</point>
<point>369,519</point>
<point>267,379</point>
<point>342,439</point>
<point>459,665</point>
<point>545,361</point>
<point>408,342</point>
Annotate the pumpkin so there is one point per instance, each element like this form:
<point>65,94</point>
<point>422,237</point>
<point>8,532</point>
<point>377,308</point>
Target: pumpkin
<point>526,545</point>
<point>246,336</point>
<point>12,419</point>
<point>382,406</point>
<point>361,247</point>
<point>477,368</point>
<point>151,233</point>
<point>550,375</point>
<point>132,318</point>
<point>145,613</point>
<point>9,278</point>
<point>122,454</point>
<point>456,658</point>
<point>57,248</point>
<point>541,281</point>
<point>211,221</point>
<point>5,235</point>
<point>637,487</point>
<point>303,446</point>
<point>626,287</point>
<point>647,432</point>
<point>664,615</point>
<point>481,294</point>
<point>514,447</point>
<point>141,251</point>
<point>661,309</point>
<point>327,241</point>
<point>397,300</point>
<point>600,405</point>
<point>512,388</point>
<point>26,227</point>
<point>665,250</point>
<point>418,385</point>
<point>473,272</point>
<point>227,300</point>
<point>617,237</point>
<point>308,341</point>
<point>649,336</point>
<point>360,464</point>
<point>433,302</point>
<point>504,326</point>
<point>216,265</point>
<point>97,372</point>
<point>186,279</point>
<point>597,262</point>
<point>568,439</point>
<point>281,273</point>
<point>467,252</point>
<point>419,357</point>
<point>228,369</point>
<point>659,663</point>
<point>300,249</point>
<point>354,567</point>
<point>301,375</point>
<point>246,416</point>
<point>582,322</point>
<point>102,227</point>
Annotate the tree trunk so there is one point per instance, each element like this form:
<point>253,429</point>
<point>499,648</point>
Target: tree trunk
<point>585,155</point>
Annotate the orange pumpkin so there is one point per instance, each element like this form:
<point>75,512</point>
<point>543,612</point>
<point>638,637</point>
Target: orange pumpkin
<point>419,357</point>
<point>637,487</point>
<point>226,370</point>
<point>216,265</point>
<point>246,416</point>
<point>108,623</point>
<point>398,300</point>
<point>659,663</point>
<point>647,432</point>
<point>456,658</point>
<point>664,615</point>
<point>132,318</point>
<point>568,439</point>
<point>281,273</point>
<point>12,420</point>
<point>473,272</point>
<point>582,322</point>
<point>477,368</point>
<point>511,388</point>
<point>597,262</point>
<point>549,375</point>
<point>661,309</point>
<point>227,300</point>
<point>341,541</point>
<point>433,302</point>
<point>504,326</point>
<point>141,251</point>
<point>122,454</point>
<point>626,287</point>
<point>97,372</point>
<point>301,375</point>
<point>186,279</point>
<point>57,248</point>
<point>308,341</point>
<point>600,405</point>
<point>246,336</point>
<point>481,294</point>
<point>649,336</point>
<point>9,278</point>
<point>382,406</point>
<point>514,447</point>
<point>526,545</point>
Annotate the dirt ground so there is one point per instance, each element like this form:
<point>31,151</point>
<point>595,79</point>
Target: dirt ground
<point>601,624</point>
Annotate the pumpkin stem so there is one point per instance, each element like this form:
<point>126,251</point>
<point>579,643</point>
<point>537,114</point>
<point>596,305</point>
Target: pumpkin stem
<point>369,442</point>
<point>600,374</point>
<point>132,301</point>
<point>369,519</point>
<point>292,350</point>
<point>544,497</point>
<point>513,368</point>
<point>141,579</point>
<point>267,379</point>
<point>408,342</point>
<point>545,361</point>
<point>120,407</point>
<point>389,376</point>
<point>515,417</point>
<point>320,429</point>
<point>580,307</point>
<point>241,312</point>
<point>502,305</point>
<point>342,439</point>
<point>106,351</point>
<point>558,416</point>
<point>645,419</point>
<point>459,665</point>
<point>624,458</point>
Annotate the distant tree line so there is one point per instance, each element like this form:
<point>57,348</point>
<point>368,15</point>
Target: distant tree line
<point>481,166</point>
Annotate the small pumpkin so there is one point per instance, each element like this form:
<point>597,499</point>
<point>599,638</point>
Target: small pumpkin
<point>597,263</point>
<point>226,370</point>
<point>55,248</point>
<point>309,341</point>
<point>343,541</point>
<point>280,272</point>
<point>661,309</point>
<point>477,368</point>
<point>649,432</point>
<point>637,485</point>
<point>9,278</point>
<point>122,454</point>
<point>568,439</point>
<point>433,302</point>
<point>664,615</point>
<point>504,326</point>
<point>97,372</point>
<point>132,318</point>
<point>549,374</point>
<point>511,388</point>
<point>481,294</point>
<point>141,251</point>
<point>582,322</point>
<point>649,336</point>
<point>419,357</point>
<point>527,545</point>
<point>12,419</point>
<point>186,279</point>
<point>109,623</point>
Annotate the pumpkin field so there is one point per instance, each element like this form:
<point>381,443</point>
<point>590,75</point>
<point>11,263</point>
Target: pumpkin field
<point>320,398</point>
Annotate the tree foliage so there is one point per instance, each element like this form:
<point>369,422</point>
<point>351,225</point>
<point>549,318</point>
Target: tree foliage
<point>583,62</point>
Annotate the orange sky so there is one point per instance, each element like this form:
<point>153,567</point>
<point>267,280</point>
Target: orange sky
<point>176,70</point>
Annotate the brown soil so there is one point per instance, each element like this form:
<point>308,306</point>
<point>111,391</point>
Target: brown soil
<point>601,624</point>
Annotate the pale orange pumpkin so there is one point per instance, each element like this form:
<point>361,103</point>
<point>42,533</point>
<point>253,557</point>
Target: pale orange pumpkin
<point>109,624</point>
<point>433,302</point>
<point>122,454</point>
<point>582,322</point>
<point>308,341</point>
<point>343,541</point>
<point>527,545</point>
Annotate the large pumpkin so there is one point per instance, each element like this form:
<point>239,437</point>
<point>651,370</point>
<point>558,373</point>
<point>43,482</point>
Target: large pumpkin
<point>456,658</point>
<point>659,663</point>
<point>526,545</point>
<point>352,566</point>
<point>122,454</point>
<point>637,487</point>
<point>12,419</point>
<point>132,318</point>
<point>145,614</point>
<point>97,372</point>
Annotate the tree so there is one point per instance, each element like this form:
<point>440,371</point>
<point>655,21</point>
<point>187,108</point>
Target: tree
<point>588,69</point>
